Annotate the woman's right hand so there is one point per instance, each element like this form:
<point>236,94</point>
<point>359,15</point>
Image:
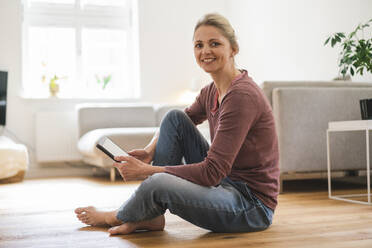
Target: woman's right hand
<point>142,154</point>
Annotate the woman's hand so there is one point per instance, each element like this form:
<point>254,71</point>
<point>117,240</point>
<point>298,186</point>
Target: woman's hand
<point>131,168</point>
<point>142,155</point>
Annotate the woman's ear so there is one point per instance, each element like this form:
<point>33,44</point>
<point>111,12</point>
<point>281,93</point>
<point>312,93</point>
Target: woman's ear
<point>235,50</point>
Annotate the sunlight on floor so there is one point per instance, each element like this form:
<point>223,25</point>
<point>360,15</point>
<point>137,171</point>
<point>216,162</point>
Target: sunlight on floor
<point>57,195</point>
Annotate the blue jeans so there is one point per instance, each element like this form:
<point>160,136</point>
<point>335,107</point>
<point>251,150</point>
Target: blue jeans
<point>228,207</point>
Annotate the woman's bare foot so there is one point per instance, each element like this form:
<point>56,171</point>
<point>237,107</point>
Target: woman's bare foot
<point>156,224</point>
<point>91,216</point>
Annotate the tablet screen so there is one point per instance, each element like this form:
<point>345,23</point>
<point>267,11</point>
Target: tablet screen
<point>113,148</point>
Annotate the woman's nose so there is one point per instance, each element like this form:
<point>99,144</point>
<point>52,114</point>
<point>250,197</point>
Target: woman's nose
<point>206,49</point>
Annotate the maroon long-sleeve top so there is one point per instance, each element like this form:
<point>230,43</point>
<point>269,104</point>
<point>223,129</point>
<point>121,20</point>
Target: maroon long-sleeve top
<point>244,143</point>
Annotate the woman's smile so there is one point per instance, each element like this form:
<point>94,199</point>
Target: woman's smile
<point>208,60</point>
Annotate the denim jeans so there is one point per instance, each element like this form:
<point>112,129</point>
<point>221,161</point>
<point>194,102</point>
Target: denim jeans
<point>228,207</point>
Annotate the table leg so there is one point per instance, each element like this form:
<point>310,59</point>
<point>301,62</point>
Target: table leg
<point>328,166</point>
<point>368,167</point>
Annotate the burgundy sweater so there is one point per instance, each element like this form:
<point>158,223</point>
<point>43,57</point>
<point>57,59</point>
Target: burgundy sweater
<point>244,143</point>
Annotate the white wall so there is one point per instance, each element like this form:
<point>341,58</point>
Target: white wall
<point>279,40</point>
<point>166,49</point>
<point>283,39</point>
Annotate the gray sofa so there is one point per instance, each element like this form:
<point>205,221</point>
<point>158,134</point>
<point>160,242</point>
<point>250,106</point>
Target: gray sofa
<point>302,111</point>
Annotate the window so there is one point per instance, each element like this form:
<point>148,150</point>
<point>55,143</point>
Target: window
<point>91,46</point>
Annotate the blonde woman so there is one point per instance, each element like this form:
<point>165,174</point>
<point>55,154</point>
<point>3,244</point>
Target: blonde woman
<point>229,186</point>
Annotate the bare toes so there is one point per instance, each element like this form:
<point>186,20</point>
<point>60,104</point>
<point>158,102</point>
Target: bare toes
<point>84,219</point>
<point>81,215</point>
<point>90,208</point>
<point>79,210</point>
<point>84,209</point>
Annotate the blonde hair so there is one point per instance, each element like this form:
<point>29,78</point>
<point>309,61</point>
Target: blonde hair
<point>221,23</point>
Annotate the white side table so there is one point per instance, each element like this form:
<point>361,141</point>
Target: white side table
<point>342,126</point>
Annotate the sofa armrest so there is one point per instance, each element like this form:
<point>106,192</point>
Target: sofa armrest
<point>126,138</point>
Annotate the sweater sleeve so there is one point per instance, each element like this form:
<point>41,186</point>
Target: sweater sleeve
<point>238,113</point>
<point>196,111</point>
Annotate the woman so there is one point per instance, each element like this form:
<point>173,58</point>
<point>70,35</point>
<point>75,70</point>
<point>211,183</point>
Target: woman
<point>232,185</point>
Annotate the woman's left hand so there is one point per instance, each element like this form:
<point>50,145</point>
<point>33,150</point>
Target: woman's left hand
<point>131,168</point>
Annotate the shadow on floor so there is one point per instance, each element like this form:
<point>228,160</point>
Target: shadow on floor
<point>316,185</point>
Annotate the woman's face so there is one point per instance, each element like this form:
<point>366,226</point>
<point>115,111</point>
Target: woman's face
<point>212,50</point>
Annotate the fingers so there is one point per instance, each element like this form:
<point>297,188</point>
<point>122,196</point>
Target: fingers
<point>123,158</point>
<point>135,152</point>
<point>130,168</point>
<point>120,168</point>
<point>119,165</point>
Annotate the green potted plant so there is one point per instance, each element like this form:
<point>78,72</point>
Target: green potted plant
<point>104,80</point>
<point>52,80</point>
<point>356,50</point>
<point>53,85</point>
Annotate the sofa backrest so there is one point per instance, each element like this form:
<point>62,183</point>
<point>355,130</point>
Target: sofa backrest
<point>268,86</point>
<point>94,116</point>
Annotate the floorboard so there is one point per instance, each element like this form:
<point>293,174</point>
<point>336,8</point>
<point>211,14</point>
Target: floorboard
<point>39,213</point>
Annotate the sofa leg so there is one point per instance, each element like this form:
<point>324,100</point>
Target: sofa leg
<point>112,174</point>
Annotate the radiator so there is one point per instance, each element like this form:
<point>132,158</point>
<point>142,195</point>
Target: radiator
<point>56,137</point>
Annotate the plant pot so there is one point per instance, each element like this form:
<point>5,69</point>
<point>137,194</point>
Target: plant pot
<point>54,89</point>
<point>366,109</point>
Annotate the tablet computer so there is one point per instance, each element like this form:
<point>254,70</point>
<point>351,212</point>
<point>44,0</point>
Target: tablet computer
<point>110,148</point>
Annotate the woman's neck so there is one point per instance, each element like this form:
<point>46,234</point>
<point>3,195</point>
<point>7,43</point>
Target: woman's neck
<point>223,79</point>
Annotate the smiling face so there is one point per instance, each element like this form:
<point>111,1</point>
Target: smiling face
<point>212,50</point>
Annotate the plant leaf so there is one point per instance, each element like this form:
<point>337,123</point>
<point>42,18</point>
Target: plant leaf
<point>107,79</point>
<point>351,35</point>
<point>333,42</point>
<point>325,43</point>
<point>343,72</point>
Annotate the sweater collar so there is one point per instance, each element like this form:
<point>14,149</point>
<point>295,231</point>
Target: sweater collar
<point>237,78</point>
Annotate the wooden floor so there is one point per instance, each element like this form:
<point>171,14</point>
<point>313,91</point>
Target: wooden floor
<point>39,213</point>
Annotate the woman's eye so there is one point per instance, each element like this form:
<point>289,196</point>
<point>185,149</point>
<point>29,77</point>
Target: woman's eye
<point>198,45</point>
<point>214,44</point>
